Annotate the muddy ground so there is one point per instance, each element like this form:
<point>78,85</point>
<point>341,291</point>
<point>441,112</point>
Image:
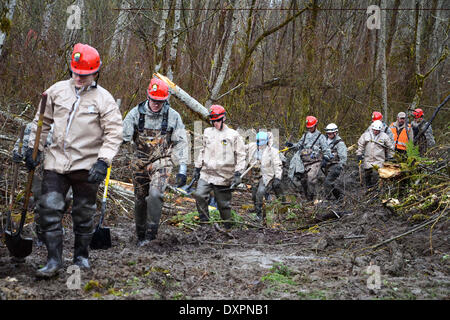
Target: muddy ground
<point>296,256</point>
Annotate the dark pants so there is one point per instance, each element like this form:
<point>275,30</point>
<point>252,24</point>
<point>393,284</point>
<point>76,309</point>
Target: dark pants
<point>148,193</point>
<point>52,206</point>
<point>259,191</point>
<point>371,177</point>
<point>223,198</point>
<point>332,174</point>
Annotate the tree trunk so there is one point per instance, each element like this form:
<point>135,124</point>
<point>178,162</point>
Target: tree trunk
<point>47,20</point>
<point>392,29</point>
<point>382,54</point>
<point>11,6</point>
<point>226,58</point>
<point>161,36</point>
<point>117,42</point>
<point>175,39</point>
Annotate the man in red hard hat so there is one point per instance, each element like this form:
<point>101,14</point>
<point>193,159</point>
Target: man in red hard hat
<point>376,115</point>
<point>313,152</point>
<point>220,162</point>
<point>418,125</point>
<point>87,133</point>
<point>158,136</point>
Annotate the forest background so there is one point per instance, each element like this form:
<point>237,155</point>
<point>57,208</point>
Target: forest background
<point>268,62</point>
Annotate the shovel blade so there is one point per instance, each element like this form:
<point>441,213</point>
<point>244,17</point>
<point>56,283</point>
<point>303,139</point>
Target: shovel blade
<point>101,239</point>
<point>18,247</point>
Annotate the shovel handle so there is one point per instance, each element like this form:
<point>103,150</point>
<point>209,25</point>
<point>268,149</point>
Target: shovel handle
<point>16,169</point>
<point>35,151</point>
<point>105,195</point>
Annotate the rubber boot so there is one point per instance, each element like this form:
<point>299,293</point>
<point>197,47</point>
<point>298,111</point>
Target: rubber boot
<point>152,231</point>
<point>54,242</point>
<point>337,194</point>
<point>81,252</point>
<point>141,240</point>
<point>140,217</point>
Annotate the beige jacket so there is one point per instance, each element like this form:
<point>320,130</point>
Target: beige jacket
<point>376,149</point>
<point>268,160</point>
<point>222,154</point>
<point>87,126</point>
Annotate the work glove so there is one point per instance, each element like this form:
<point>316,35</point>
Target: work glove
<point>98,172</point>
<point>289,144</point>
<point>360,158</point>
<point>236,179</point>
<point>197,173</point>
<point>29,162</point>
<point>16,157</point>
<point>181,180</point>
<point>276,183</point>
<point>323,165</point>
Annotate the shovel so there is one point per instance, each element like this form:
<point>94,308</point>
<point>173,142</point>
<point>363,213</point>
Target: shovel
<point>14,181</point>
<point>102,236</point>
<point>360,173</point>
<point>21,247</point>
<point>233,186</point>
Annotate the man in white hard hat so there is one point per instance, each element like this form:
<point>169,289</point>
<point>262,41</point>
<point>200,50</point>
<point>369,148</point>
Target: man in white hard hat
<point>334,167</point>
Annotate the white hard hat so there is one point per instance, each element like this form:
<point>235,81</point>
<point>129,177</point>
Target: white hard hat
<point>377,125</point>
<point>332,127</point>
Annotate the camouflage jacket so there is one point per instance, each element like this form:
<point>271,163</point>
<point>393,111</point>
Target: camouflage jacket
<point>157,136</point>
<point>339,150</point>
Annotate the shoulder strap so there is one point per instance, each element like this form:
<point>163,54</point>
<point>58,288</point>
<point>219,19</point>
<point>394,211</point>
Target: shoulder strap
<point>318,136</point>
<point>335,143</point>
<point>165,120</point>
<point>141,110</point>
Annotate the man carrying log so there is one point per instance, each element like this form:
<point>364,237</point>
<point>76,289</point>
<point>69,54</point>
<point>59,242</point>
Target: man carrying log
<point>312,153</point>
<point>159,138</point>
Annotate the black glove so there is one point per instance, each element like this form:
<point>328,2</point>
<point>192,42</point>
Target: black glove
<point>276,183</point>
<point>181,180</point>
<point>29,162</point>
<point>197,173</point>
<point>323,165</point>
<point>98,172</point>
<point>289,144</point>
<point>360,158</point>
<point>16,157</point>
<point>237,178</point>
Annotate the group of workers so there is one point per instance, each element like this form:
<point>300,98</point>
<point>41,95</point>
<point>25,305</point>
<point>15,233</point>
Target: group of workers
<point>87,131</point>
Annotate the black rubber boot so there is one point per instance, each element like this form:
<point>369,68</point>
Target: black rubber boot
<point>152,232</point>
<point>54,242</point>
<point>337,194</point>
<point>81,252</point>
<point>141,239</point>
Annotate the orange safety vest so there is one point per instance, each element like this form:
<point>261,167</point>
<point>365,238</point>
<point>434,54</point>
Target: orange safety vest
<point>402,139</point>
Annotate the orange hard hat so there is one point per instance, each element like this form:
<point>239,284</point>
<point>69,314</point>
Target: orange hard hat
<point>85,60</point>
<point>216,112</point>
<point>377,116</point>
<point>418,113</point>
<point>311,121</point>
<point>158,90</point>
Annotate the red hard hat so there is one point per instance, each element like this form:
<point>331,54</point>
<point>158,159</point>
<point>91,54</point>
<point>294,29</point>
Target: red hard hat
<point>85,60</point>
<point>158,90</point>
<point>418,113</point>
<point>216,112</point>
<point>377,116</point>
<point>311,121</point>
